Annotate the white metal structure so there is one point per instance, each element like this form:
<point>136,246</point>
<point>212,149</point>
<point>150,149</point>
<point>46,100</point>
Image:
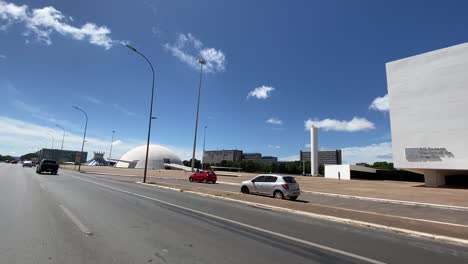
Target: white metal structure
<point>314,164</point>
<point>157,157</point>
<point>428,98</point>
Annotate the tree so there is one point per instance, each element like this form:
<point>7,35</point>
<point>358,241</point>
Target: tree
<point>383,165</point>
<point>7,157</point>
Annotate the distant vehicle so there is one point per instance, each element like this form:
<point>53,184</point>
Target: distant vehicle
<point>47,165</point>
<point>14,162</point>
<point>274,185</point>
<point>203,176</point>
<point>27,163</point>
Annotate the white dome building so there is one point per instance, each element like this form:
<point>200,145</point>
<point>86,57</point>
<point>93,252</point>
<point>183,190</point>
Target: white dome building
<point>157,156</point>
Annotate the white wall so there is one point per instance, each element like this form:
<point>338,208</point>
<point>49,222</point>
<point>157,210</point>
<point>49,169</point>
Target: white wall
<point>331,171</point>
<point>428,96</point>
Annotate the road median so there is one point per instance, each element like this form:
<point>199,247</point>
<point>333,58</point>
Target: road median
<point>447,232</point>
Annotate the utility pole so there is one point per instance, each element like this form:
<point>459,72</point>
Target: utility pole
<point>202,62</point>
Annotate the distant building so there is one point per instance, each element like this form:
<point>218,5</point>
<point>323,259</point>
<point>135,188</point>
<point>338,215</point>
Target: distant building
<point>62,155</point>
<point>257,157</point>
<point>251,156</point>
<point>268,159</point>
<point>217,156</point>
<point>329,157</point>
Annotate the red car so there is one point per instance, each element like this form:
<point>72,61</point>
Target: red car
<point>203,176</point>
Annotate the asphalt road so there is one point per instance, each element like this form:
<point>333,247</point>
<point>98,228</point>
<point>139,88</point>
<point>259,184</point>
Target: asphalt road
<point>76,218</point>
<point>424,213</point>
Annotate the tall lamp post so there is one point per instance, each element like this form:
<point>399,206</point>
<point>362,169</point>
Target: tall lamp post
<point>53,139</point>
<point>112,143</point>
<point>84,135</point>
<point>151,110</point>
<point>63,137</point>
<point>202,62</point>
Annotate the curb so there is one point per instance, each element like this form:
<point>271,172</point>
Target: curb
<point>382,200</point>
<point>412,233</point>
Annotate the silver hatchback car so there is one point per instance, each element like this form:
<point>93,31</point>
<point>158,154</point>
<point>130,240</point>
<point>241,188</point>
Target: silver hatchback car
<point>278,186</point>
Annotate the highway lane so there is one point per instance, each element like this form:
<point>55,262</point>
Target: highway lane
<point>132,223</point>
<point>410,211</point>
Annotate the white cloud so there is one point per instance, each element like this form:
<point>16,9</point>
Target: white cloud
<point>43,22</point>
<point>117,142</point>
<point>380,104</point>
<point>355,124</point>
<point>17,136</point>
<point>261,92</point>
<point>92,99</point>
<point>124,110</point>
<point>39,113</point>
<point>11,89</point>
<point>290,158</point>
<point>274,146</point>
<point>274,121</point>
<point>189,50</point>
<point>368,154</point>
<point>23,137</point>
<point>3,56</point>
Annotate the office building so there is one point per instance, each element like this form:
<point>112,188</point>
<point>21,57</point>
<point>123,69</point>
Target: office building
<point>329,157</point>
<point>217,156</point>
<point>62,155</point>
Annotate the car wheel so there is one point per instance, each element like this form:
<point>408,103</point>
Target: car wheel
<point>190,179</point>
<point>293,198</point>
<point>245,190</point>
<point>278,195</point>
<point>214,182</point>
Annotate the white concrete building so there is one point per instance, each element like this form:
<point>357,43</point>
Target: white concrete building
<point>428,99</point>
<point>157,157</point>
<point>344,172</point>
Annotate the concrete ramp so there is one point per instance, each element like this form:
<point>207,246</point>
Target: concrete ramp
<point>178,166</point>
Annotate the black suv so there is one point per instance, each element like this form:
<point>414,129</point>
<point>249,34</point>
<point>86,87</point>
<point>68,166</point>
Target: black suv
<point>47,165</point>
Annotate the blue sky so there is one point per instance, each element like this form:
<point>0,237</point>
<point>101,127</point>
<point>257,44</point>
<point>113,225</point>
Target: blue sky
<point>322,61</point>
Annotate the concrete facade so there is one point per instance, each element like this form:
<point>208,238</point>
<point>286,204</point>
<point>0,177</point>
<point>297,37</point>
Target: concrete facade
<point>217,156</point>
<point>61,156</point>
<point>325,157</point>
<point>428,99</point>
<point>157,157</point>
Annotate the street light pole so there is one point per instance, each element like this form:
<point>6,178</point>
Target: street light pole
<point>204,140</point>
<point>112,142</point>
<point>201,61</point>
<point>63,137</point>
<point>53,139</point>
<point>84,135</point>
<point>151,110</point>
